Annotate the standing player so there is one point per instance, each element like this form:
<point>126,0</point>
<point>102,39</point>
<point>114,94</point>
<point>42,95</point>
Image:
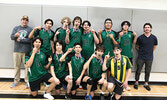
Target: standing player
<point>107,37</point>
<point>58,69</point>
<point>120,70</point>
<point>61,31</point>
<point>47,35</point>
<point>36,61</point>
<point>89,37</point>
<point>126,40</point>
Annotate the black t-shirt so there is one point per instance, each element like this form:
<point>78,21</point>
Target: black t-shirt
<point>146,45</point>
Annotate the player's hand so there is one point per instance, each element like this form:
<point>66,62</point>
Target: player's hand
<point>101,81</point>
<point>110,35</point>
<point>68,31</point>
<point>35,50</point>
<point>121,33</point>
<point>50,59</point>
<point>18,40</point>
<point>92,30</point>
<point>69,50</point>
<point>78,81</point>
<point>38,27</point>
<point>125,84</point>
<point>17,34</point>
<point>100,31</point>
<point>94,55</point>
<point>107,56</point>
<point>57,32</point>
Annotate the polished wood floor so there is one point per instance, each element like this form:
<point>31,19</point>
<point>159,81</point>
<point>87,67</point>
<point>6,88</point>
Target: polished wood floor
<point>156,91</point>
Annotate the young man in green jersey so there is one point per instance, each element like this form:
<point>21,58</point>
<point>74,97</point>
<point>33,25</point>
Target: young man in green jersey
<point>89,37</point>
<point>126,39</point>
<point>74,34</point>
<point>47,35</point>
<point>95,71</point>
<point>36,62</point>
<point>60,32</point>
<point>75,64</point>
<point>120,70</point>
<point>58,69</point>
<point>107,37</point>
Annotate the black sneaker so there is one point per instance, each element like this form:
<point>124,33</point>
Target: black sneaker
<point>68,96</point>
<point>102,97</point>
<point>147,87</point>
<point>136,86</point>
<point>109,97</point>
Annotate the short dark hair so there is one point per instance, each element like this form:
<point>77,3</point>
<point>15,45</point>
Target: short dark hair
<point>147,24</point>
<point>48,20</point>
<point>58,41</point>
<point>116,46</point>
<point>108,19</point>
<point>36,39</point>
<point>125,22</point>
<point>86,21</point>
<point>100,47</point>
<point>77,44</point>
<point>77,18</point>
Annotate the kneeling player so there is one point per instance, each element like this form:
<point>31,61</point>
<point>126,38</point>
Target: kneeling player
<point>37,74</point>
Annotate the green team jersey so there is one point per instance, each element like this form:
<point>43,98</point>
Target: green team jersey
<point>61,36</point>
<point>95,68</point>
<point>126,44</point>
<point>87,41</point>
<point>77,66</point>
<point>37,69</point>
<point>118,67</point>
<point>59,67</point>
<point>75,37</point>
<point>47,37</point>
<point>107,42</point>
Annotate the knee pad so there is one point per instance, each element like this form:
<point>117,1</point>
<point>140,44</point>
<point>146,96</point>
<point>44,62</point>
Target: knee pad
<point>90,81</point>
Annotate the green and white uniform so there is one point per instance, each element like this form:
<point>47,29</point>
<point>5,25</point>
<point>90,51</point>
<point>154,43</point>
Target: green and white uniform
<point>59,67</point>
<point>77,66</point>
<point>87,45</point>
<point>75,37</point>
<point>47,37</point>
<point>37,69</point>
<point>107,42</point>
<point>126,42</point>
<point>95,68</point>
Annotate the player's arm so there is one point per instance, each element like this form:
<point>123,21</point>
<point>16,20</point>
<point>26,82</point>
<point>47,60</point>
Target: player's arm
<point>67,40</point>
<point>70,69</point>
<point>135,38</point>
<point>62,58</point>
<point>99,34</point>
<point>32,32</point>
<point>96,40</point>
<point>104,67</point>
<point>30,61</point>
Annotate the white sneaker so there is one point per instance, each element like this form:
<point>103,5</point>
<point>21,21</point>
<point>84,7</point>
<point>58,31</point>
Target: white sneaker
<point>128,88</point>
<point>48,96</point>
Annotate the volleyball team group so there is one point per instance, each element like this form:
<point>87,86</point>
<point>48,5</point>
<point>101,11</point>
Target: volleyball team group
<point>75,57</point>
